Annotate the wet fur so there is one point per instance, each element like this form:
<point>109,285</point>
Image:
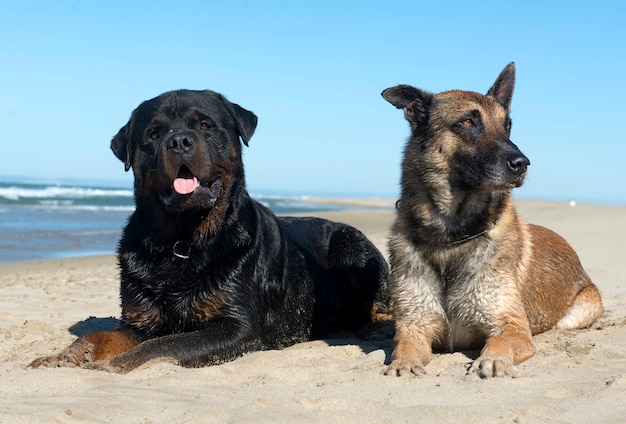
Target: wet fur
<point>210,275</point>
<point>466,271</point>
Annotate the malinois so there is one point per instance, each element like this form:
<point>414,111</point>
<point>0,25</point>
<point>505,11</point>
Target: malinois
<point>466,270</point>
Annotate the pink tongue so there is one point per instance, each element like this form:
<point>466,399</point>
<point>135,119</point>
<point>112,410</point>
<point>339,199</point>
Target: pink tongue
<point>185,185</point>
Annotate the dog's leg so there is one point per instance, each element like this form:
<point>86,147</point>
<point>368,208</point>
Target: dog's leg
<point>420,321</point>
<point>90,348</point>
<point>224,339</point>
<point>501,352</point>
<point>412,350</point>
<point>587,307</point>
<point>360,274</point>
<point>420,318</point>
<point>559,284</point>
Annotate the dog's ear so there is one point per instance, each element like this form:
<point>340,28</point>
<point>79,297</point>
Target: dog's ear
<point>246,122</point>
<point>415,102</point>
<point>122,146</point>
<point>502,89</point>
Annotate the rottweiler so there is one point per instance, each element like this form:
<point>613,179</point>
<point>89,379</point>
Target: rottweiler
<point>207,273</point>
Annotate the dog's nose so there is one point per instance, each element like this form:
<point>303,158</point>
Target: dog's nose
<point>518,163</point>
<point>180,142</point>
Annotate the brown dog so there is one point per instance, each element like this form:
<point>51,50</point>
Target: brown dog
<point>466,270</point>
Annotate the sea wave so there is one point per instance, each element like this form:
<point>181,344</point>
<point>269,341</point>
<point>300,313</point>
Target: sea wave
<point>70,206</point>
<point>17,192</point>
<point>60,234</point>
<point>41,220</point>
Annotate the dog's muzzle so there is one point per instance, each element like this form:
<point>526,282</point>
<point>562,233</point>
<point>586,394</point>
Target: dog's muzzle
<point>518,164</point>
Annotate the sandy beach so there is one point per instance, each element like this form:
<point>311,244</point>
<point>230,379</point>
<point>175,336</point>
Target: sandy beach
<point>575,377</point>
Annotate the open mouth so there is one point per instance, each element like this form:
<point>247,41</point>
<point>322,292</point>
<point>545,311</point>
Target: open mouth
<point>187,186</point>
<point>185,182</point>
<point>212,189</point>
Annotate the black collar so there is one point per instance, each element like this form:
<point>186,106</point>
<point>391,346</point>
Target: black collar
<point>464,239</point>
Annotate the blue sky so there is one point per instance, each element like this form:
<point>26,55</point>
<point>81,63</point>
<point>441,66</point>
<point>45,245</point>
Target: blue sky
<point>72,71</point>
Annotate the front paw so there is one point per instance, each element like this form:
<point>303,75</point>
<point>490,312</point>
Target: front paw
<point>108,365</point>
<point>47,362</point>
<point>78,354</point>
<point>411,366</point>
<point>488,366</point>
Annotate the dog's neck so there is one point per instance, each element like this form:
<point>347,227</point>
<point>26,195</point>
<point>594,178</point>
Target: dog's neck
<point>466,238</point>
<point>451,226</point>
<point>202,229</point>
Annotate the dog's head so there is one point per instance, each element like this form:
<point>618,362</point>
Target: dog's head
<point>464,134</point>
<point>184,149</point>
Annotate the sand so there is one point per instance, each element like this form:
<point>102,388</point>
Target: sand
<point>575,377</point>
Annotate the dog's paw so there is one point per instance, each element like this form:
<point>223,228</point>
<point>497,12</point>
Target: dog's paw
<point>107,365</point>
<point>78,354</point>
<point>47,362</point>
<point>488,366</point>
<point>405,367</point>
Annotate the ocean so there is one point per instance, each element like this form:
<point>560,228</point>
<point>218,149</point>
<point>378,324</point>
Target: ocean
<point>56,220</point>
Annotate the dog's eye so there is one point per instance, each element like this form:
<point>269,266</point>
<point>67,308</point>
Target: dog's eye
<point>154,135</point>
<point>468,123</point>
<point>204,126</point>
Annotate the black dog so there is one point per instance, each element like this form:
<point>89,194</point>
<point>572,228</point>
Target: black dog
<point>207,273</point>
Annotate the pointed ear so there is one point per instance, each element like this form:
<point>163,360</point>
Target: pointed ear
<point>122,146</point>
<point>246,122</point>
<point>502,89</point>
<point>415,102</point>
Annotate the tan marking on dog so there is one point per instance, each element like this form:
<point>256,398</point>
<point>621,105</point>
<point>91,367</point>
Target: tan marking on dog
<point>207,308</point>
<point>107,344</point>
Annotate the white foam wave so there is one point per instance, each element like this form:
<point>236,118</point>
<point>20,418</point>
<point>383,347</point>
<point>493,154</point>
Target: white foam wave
<point>261,197</point>
<point>89,208</point>
<point>17,193</point>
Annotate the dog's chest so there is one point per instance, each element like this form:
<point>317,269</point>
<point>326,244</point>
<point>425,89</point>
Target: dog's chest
<point>468,297</point>
<point>467,303</point>
<point>172,305</point>
<point>464,296</point>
